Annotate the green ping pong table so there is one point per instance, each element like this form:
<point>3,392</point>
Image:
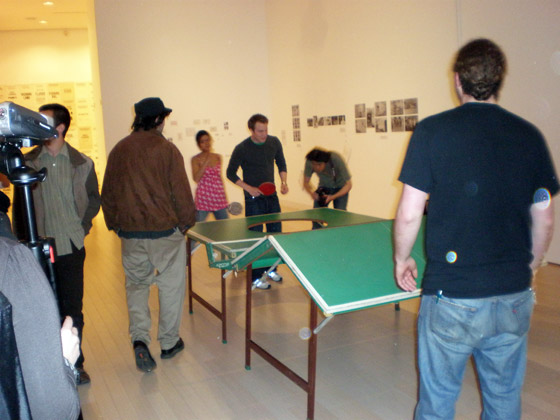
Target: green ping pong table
<point>344,267</point>
<point>230,245</point>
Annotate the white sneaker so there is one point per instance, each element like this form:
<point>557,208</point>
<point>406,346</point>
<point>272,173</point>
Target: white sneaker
<point>274,276</point>
<point>261,284</point>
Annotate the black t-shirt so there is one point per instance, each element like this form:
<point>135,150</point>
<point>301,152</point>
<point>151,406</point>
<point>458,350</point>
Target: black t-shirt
<point>482,167</point>
<point>256,161</point>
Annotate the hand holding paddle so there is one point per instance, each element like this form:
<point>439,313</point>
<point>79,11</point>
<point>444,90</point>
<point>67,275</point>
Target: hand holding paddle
<point>267,188</point>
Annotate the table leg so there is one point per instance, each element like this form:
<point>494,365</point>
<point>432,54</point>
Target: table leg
<point>248,293</point>
<point>189,274</point>
<point>224,311</point>
<point>312,361</point>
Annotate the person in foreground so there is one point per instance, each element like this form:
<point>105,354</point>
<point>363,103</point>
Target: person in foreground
<point>47,353</point>
<point>147,201</point>
<point>256,155</point>
<point>490,180</point>
<point>65,204</point>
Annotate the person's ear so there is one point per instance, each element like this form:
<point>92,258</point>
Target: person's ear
<point>60,128</point>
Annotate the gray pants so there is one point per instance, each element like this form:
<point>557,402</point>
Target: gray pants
<point>163,262</point>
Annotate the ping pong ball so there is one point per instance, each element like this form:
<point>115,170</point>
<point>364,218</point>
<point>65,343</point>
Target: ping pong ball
<point>305,333</point>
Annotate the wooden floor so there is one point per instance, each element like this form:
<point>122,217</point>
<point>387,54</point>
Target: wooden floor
<point>366,360</point>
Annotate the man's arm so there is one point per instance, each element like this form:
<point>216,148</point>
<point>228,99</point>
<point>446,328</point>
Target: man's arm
<point>108,193</point>
<point>183,201</point>
<point>284,182</point>
<point>343,191</point>
<point>309,188</point>
<point>94,199</point>
<point>542,215</point>
<point>405,230</point>
<point>282,168</point>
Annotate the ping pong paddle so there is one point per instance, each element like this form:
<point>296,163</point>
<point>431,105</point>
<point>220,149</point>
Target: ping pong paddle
<point>235,208</point>
<point>267,188</point>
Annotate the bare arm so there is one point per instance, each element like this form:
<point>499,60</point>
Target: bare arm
<point>253,191</point>
<point>199,164</point>
<point>284,179</point>
<point>407,224</point>
<point>542,215</point>
<point>343,191</point>
<point>309,188</point>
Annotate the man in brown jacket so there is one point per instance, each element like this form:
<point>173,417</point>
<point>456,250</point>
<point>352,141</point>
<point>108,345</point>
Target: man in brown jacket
<point>147,201</point>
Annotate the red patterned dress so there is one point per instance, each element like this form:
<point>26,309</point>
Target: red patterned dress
<point>210,194</point>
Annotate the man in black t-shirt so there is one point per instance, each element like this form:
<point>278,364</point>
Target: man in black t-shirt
<point>256,156</point>
<point>490,181</point>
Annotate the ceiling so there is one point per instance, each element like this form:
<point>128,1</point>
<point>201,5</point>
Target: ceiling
<point>18,15</point>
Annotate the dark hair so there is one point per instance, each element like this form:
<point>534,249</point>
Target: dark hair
<point>61,115</point>
<point>481,66</point>
<point>200,134</point>
<point>318,155</point>
<point>147,123</point>
<point>255,119</point>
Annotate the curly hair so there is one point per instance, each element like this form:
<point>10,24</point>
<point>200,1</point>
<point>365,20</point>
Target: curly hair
<point>481,66</point>
<point>148,122</point>
<point>318,155</point>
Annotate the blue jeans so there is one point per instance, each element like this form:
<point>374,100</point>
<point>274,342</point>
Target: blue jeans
<point>494,331</point>
<point>202,215</point>
<point>263,205</point>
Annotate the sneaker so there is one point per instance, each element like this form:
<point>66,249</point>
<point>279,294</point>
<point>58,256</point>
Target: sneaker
<point>169,353</point>
<point>261,284</point>
<point>83,377</point>
<point>144,360</point>
<point>274,276</point>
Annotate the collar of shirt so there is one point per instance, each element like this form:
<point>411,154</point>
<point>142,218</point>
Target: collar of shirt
<point>63,151</point>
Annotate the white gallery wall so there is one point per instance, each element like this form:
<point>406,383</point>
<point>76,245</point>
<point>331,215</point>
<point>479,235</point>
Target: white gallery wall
<point>219,61</point>
<point>207,60</point>
<point>44,56</point>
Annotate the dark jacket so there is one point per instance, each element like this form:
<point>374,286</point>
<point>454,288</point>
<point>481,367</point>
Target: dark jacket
<point>145,187</point>
<point>84,187</point>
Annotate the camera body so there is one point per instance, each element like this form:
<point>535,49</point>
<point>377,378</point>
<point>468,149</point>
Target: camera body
<point>322,193</point>
<point>23,127</point>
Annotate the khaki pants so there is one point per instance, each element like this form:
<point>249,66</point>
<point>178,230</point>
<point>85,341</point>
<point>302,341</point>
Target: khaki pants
<point>163,262</point>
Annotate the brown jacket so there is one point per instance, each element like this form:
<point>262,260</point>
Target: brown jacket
<point>145,188</point>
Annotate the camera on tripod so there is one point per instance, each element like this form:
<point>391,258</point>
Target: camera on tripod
<point>22,127</point>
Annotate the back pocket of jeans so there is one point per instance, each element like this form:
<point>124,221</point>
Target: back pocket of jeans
<point>514,316</point>
<point>451,321</point>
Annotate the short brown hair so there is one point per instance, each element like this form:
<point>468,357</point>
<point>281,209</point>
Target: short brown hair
<point>255,119</point>
<point>481,66</point>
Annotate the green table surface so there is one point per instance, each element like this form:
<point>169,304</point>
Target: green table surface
<point>232,237</point>
<point>344,267</point>
<point>347,268</point>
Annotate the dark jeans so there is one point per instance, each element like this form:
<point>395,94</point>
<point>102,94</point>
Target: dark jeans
<point>69,272</point>
<point>339,203</point>
<point>263,205</point>
<point>6,227</point>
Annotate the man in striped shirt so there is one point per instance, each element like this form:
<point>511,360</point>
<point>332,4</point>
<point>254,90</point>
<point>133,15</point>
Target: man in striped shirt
<point>65,204</point>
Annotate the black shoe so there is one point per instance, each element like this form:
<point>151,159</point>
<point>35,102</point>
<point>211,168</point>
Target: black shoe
<point>169,353</point>
<point>83,377</point>
<point>144,360</point>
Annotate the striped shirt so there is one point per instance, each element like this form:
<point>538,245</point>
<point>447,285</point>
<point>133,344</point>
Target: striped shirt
<point>61,217</point>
